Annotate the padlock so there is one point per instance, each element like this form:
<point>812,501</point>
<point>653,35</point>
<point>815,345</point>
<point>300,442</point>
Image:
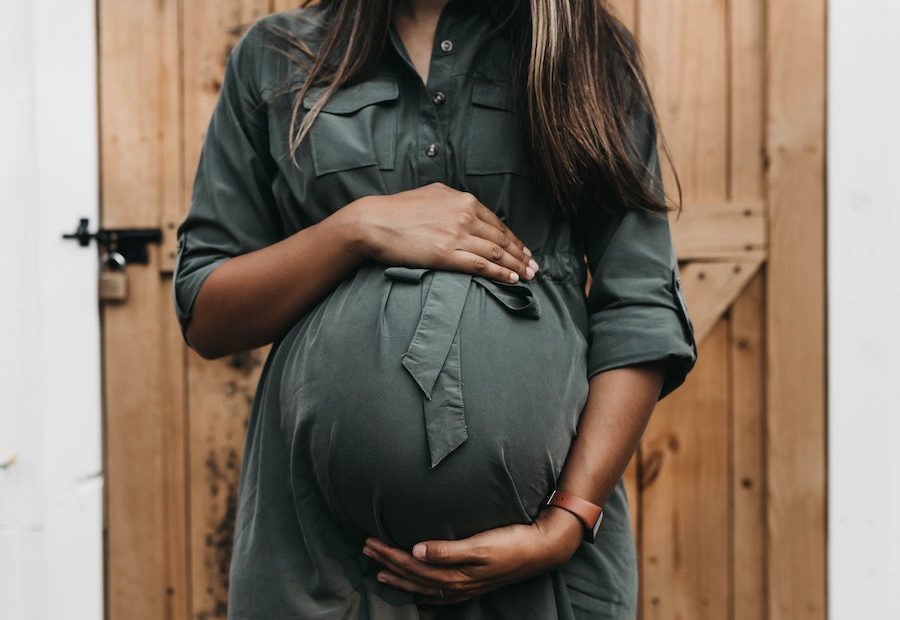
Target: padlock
<point>113,285</point>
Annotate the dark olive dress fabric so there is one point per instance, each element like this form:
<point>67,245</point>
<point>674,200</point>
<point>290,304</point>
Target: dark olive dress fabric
<point>415,403</point>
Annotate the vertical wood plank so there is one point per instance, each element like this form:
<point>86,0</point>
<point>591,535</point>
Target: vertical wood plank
<point>626,10</point>
<point>747,448</point>
<point>795,320</point>
<point>684,520</point>
<point>685,494</point>
<point>221,396</point>
<point>685,48</point>
<point>221,391</point>
<point>284,5</point>
<point>747,100</point>
<point>141,174</point>
<point>174,429</point>
<point>747,126</point>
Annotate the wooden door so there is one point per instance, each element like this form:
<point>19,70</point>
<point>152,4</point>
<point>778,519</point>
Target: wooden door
<point>729,481</point>
<point>174,422</point>
<point>728,486</point>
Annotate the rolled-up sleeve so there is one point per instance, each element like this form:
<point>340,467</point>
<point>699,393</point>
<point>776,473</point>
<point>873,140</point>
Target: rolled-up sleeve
<point>637,310</point>
<point>232,208</point>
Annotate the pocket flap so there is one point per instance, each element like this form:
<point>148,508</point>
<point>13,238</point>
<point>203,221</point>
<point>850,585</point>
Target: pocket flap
<point>350,98</point>
<point>492,95</point>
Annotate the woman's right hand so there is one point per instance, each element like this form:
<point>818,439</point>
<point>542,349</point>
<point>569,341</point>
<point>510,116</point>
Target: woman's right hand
<point>436,226</point>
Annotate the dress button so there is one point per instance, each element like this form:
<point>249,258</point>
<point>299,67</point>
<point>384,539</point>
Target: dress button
<point>439,98</point>
<point>447,45</point>
<point>431,150</point>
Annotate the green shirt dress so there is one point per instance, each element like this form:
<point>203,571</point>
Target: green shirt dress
<point>412,403</point>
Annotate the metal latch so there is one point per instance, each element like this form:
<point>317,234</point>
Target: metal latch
<point>131,243</point>
<point>119,246</point>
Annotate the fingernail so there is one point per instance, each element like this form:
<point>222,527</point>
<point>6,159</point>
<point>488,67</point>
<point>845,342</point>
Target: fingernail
<point>419,550</point>
<point>382,578</point>
<point>368,552</point>
<point>513,277</point>
<point>529,271</point>
<point>527,251</point>
<point>533,264</point>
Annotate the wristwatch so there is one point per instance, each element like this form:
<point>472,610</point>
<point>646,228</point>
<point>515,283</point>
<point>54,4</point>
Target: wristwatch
<point>590,514</point>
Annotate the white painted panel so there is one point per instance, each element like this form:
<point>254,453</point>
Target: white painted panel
<point>51,499</point>
<point>864,309</point>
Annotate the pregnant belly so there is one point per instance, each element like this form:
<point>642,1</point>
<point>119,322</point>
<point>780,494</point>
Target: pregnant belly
<point>430,404</point>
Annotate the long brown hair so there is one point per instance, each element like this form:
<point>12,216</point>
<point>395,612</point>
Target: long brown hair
<point>580,136</point>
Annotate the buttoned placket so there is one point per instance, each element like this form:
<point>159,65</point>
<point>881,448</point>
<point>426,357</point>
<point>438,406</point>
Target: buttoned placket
<point>432,151</point>
<point>433,358</point>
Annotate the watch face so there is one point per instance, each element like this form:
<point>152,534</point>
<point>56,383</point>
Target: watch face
<point>597,525</point>
<point>591,535</point>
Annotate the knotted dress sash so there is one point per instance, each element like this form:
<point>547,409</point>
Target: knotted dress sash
<point>433,356</point>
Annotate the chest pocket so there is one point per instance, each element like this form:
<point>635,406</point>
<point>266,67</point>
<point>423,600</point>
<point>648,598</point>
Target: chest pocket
<point>357,126</point>
<point>495,141</point>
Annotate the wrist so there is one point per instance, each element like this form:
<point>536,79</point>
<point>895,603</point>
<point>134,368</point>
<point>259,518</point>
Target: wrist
<point>563,532</point>
<point>357,235</point>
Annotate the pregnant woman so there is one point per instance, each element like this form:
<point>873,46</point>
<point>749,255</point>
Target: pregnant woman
<point>400,196</point>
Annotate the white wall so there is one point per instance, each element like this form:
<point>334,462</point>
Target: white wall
<point>50,413</point>
<point>864,309</point>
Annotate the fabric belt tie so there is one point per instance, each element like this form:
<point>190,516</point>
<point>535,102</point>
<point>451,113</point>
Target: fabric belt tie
<point>433,356</point>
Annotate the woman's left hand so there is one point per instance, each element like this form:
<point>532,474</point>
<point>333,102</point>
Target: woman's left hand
<point>452,571</point>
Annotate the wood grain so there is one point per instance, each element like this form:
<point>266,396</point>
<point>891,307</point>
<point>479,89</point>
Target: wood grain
<point>710,288</point>
<point>795,313</point>
<point>747,100</point>
<point>748,452</point>
<point>140,138</point>
<point>747,183</point>
<point>726,229</point>
<point>221,397</point>
<point>685,486</point>
<point>684,45</point>
<point>686,52</point>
